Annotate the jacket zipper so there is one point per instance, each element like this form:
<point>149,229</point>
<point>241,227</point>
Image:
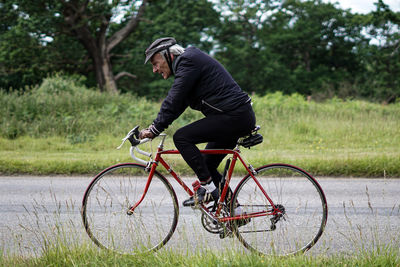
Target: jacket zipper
<point>211,106</point>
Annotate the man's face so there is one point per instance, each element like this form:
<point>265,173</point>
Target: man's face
<point>160,66</point>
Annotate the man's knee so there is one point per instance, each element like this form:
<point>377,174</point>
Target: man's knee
<point>179,137</point>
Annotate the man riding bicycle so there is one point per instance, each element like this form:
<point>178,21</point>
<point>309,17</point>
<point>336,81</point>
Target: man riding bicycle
<point>202,83</point>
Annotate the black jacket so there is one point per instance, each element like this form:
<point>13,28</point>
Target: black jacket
<point>202,83</point>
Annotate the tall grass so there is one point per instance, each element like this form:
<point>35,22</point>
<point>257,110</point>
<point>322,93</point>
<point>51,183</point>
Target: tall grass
<point>62,116</point>
<point>86,256</point>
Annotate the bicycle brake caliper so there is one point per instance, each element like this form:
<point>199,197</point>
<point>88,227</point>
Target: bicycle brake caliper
<point>251,168</point>
<point>148,167</point>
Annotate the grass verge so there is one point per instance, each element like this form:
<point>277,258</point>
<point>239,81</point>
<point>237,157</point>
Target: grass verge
<point>54,155</point>
<point>89,256</point>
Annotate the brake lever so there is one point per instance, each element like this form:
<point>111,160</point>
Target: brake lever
<point>123,142</point>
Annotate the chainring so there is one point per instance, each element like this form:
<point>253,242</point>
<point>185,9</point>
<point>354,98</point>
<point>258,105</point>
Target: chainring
<point>209,225</point>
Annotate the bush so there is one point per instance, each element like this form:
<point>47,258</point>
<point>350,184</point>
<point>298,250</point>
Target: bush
<point>64,107</point>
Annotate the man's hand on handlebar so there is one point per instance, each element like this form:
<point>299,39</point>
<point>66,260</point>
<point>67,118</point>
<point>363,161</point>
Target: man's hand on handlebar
<point>146,133</point>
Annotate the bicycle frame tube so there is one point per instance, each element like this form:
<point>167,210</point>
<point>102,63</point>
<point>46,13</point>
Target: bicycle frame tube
<point>258,184</point>
<point>176,152</point>
<point>236,155</point>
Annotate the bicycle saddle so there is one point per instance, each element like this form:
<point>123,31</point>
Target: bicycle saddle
<point>253,139</point>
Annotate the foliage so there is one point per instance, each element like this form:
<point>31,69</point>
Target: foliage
<point>82,37</point>
<point>301,46</point>
<point>86,21</point>
<point>29,48</point>
<point>64,107</point>
<point>189,21</point>
<point>382,58</point>
<point>310,47</point>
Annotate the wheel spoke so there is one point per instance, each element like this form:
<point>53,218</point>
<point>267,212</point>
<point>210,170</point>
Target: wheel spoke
<point>301,206</point>
<point>109,197</point>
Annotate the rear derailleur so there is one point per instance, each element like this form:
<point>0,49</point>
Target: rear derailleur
<point>277,217</point>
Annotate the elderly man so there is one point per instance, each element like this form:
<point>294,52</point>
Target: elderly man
<point>202,83</point>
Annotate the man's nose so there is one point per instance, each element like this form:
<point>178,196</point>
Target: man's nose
<point>154,69</point>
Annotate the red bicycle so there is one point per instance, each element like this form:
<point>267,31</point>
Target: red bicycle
<point>131,207</point>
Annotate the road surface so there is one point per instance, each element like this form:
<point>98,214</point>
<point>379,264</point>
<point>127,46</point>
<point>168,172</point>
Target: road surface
<point>363,213</point>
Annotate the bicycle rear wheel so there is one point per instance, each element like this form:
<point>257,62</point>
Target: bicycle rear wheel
<point>301,200</point>
<point>109,197</point>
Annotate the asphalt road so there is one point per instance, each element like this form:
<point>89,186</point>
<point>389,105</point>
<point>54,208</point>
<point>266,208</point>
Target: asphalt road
<point>363,214</point>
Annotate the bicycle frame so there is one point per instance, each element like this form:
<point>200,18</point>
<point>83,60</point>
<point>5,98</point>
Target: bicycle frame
<point>152,166</point>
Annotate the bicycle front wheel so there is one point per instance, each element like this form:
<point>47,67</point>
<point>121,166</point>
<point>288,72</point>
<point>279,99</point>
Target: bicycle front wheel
<point>296,194</point>
<point>109,197</point>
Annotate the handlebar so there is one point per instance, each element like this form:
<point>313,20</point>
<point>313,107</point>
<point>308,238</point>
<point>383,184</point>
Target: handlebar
<point>133,136</point>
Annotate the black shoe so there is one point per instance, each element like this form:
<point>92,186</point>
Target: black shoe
<point>201,197</point>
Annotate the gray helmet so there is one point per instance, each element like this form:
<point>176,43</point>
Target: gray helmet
<point>157,46</point>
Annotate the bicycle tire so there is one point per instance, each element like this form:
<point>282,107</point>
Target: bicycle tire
<point>305,210</point>
<point>110,195</point>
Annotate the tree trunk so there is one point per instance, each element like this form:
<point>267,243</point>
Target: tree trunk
<point>109,81</point>
<point>104,75</point>
<point>98,47</point>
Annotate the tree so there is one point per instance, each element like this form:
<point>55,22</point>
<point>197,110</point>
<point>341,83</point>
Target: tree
<point>31,47</point>
<point>238,43</point>
<point>319,41</point>
<point>289,46</point>
<point>191,22</point>
<point>17,49</point>
<point>381,79</point>
<point>103,38</point>
<point>86,21</point>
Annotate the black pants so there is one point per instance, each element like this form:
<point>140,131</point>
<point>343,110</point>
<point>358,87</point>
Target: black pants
<point>221,131</point>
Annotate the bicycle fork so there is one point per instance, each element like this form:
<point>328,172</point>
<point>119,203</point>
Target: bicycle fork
<point>152,166</point>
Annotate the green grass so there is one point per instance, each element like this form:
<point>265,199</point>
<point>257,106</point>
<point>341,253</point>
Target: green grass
<point>82,255</point>
<point>64,128</point>
<point>54,155</point>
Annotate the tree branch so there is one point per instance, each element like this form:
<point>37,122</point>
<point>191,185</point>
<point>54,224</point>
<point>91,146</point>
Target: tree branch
<point>397,46</point>
<point>121,55</point>
<point>120,35</point>
<point>101,36</point>
<point>77,26</point>
<point>124,73</point>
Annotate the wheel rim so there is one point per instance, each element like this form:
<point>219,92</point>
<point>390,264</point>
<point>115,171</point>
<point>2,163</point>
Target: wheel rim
<point>108,199</point>
<point>295,192</point>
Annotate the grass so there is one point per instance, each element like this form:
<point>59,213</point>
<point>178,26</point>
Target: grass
<point>85,255</point>
<point>54,155</point>
<point>62,127</point>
